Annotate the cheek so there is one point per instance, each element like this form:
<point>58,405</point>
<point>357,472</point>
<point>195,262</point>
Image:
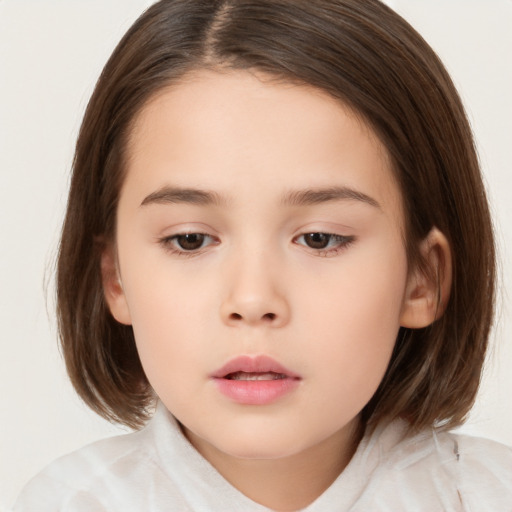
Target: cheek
<point>162,294</point>
<point>357,319</point>
<point>168,314</point>
<point>365,288</point>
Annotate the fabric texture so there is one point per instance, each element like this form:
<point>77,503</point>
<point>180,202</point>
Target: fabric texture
<point>157,469</point>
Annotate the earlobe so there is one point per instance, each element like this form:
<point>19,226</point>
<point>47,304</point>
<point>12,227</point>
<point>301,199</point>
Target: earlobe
<point>113,288</point>
<point>428,289</point>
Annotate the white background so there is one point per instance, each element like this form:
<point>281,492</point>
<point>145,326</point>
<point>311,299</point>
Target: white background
<point>51,52</point>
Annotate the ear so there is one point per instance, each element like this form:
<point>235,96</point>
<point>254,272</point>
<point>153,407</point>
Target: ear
<point>428,289</point>
<point>112,286</point>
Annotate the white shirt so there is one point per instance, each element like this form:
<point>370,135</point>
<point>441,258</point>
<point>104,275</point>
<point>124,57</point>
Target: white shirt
<point>157,470</point>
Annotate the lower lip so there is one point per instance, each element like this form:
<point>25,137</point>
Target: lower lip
<point>256,392</point>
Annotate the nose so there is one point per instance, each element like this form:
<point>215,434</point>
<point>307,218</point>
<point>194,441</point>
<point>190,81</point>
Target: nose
<point>254,296</point>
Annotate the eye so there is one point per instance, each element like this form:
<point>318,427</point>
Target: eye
<point>187,242</point>
<point>325,243</point>
<point>190,241</point>
<point>317,240</point>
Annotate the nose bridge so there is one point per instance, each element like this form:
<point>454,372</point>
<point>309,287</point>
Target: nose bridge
<point>254,291</point>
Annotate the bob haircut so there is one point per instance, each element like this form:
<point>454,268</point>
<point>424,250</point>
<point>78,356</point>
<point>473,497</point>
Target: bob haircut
<point>366,56</point>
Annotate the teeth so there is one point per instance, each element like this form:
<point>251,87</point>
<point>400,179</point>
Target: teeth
<point>255,376</point>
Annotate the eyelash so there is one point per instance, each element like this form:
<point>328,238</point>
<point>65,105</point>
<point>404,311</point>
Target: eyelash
<point>342,243</point>
<point>170,243</point>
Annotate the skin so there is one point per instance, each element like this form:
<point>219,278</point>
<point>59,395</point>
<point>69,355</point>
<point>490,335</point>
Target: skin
<point>255,286</point>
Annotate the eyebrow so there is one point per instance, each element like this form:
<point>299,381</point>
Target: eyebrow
<point>306,197</point>
<point>324,195</point>
<point>175,195</point>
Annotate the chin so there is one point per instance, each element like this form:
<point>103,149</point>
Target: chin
<point>270,444</point>
<point>255,444</point>
<point>264,450</point>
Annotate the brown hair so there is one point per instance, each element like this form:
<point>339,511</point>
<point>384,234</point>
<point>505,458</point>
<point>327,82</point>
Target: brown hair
<point>360,52</point>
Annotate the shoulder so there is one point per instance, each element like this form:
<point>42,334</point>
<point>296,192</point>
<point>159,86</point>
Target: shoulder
<point>82,480</point>
<point>477,460</point>
<point>447,470</point>
<point>483,470</point>
<point>155,469</point>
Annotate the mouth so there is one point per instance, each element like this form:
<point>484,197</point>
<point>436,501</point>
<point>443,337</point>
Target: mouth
<point>259,380</point>
<point>255,376</point>
<point>259,367</point>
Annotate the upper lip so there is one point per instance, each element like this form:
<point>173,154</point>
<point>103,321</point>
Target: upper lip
<point>253,364</point>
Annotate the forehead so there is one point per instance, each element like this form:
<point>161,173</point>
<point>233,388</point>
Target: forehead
<point>242,132</point>
<point>246,100</point>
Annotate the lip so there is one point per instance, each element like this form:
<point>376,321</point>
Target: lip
<point>253,364</point>
<point>255,392</point>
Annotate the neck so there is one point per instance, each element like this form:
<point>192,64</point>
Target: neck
<point>289,483</point>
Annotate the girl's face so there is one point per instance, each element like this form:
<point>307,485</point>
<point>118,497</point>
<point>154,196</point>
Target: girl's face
<point>261,260</point>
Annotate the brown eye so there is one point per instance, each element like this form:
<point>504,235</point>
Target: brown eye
<point>188,244</point>
<point>324,244</point>
<point>190,241</point>
<point>317,240</point>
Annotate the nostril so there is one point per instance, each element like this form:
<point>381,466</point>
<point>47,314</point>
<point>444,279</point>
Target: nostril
<point>269,317</point>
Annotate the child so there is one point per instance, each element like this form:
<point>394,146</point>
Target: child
<point>278,259</point>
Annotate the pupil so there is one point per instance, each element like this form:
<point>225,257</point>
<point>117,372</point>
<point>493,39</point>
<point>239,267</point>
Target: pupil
<point>191,241</point>
<point>317,240</point>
